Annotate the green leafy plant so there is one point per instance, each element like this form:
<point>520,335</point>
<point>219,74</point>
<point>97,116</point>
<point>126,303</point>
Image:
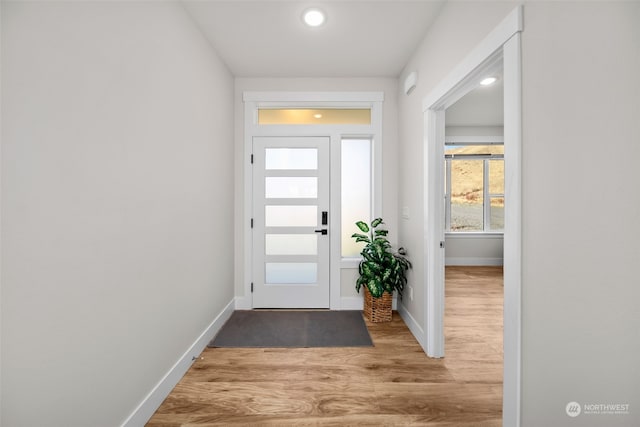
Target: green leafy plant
<point>381,270</point>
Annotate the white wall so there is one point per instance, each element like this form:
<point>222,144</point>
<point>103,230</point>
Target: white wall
<point>117,204</point>
<point>473,249</point>
<point>457,30</point>
<point>581,101</point>
<point>474,131</point>
<point>389,162</point>
<point>1,133</point>
<point>580,210</point>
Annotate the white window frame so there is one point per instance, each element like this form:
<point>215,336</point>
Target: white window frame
<point>486,195</point>
<point>336,132</point>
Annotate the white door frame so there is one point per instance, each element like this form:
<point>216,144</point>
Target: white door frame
<point>502,45</point>
<point>255,100</point>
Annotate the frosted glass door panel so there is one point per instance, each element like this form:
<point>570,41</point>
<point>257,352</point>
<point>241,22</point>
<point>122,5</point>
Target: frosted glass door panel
<point>291,187</point>
<point>291,273</point>
<point>291,158</point>
<point>356,191</point>
<point>291,192</point>
<point>291,244</point>
<point>290,216</point>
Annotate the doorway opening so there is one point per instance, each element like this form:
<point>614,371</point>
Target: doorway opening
<point>474,223</point>
<point>501,46</point>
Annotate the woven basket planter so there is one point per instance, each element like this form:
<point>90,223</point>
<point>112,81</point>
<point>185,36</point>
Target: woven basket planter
<point>377,309</point>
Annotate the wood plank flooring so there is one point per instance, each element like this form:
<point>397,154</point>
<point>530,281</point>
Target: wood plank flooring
<point>392,384</point>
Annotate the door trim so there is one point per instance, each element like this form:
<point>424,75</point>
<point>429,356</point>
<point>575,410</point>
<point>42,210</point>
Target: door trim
<point>502,44</point>
<point>253,101</point>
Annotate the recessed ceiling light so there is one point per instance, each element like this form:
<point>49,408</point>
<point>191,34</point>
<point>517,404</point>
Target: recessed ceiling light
<point>488,81</point>
<point>313,17</point>
<point>317,116</point>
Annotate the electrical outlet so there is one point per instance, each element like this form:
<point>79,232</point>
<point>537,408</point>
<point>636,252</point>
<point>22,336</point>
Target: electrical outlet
<point>411,293</point>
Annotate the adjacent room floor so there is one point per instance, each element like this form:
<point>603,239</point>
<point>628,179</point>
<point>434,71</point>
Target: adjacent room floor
<point>392,383</point>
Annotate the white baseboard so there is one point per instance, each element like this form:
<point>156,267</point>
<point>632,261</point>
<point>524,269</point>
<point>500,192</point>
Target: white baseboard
<point>351,303</point>
<point>154,399</point>
<point>413,326</point>
<point>346,303</point>
<point>474,261</point>
<point>243,303</point>
<point>357,303</point>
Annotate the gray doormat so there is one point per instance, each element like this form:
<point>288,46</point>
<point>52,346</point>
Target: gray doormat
<point>284,328</point>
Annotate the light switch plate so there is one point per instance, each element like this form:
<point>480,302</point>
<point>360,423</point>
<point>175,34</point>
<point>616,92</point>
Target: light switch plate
<point>405,212</point>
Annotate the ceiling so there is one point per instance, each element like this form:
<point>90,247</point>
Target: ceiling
<point>359,39</point>
<point>483,106</point>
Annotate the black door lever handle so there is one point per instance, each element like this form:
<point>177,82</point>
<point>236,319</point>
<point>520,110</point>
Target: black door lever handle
<point>323,231</point>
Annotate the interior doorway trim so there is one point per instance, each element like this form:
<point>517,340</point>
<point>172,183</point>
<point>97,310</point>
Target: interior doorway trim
<point>501,47</point>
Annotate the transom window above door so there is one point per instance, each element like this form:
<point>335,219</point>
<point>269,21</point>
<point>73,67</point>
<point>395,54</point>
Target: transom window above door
<point>315,116</point>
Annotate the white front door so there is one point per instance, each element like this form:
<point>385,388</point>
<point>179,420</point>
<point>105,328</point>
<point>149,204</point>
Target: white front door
<point>291,227</point>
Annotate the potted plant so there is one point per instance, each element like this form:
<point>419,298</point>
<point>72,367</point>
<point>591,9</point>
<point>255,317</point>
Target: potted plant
<point>382,271</point>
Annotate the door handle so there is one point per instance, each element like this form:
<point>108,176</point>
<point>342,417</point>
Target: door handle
<point>323,231</point>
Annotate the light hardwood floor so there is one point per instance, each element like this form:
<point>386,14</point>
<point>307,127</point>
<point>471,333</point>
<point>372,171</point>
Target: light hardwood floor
<point>392,383</point>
